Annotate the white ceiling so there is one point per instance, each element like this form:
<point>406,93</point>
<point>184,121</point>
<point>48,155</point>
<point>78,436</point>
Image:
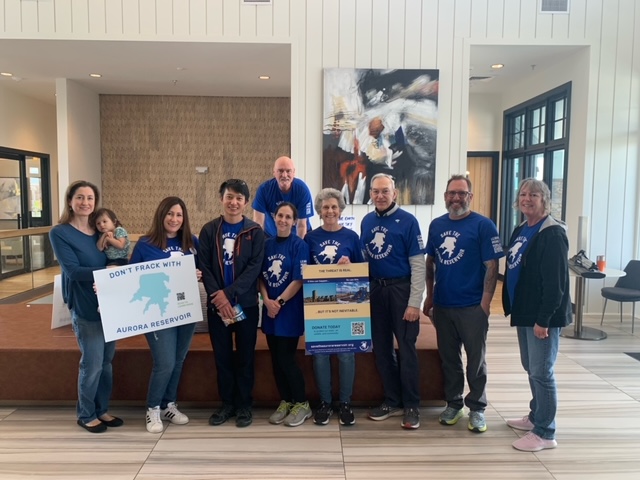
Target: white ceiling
<point>210,69</point>
<point>518,60</point>
<point>147,68</point>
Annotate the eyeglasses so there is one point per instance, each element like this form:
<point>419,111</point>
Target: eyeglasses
<point>461,194</point>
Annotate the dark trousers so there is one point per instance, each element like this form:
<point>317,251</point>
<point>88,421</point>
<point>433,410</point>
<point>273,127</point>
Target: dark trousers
<point>236,370</point>
<point>400,377</point>
<point>457,327</point>
<point>289,377</point>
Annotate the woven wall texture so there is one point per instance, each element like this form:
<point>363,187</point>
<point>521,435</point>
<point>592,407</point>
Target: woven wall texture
<point>151,146</point>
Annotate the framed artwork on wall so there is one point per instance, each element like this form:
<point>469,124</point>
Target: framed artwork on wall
<point>380,121</point>
<point>9,198</point>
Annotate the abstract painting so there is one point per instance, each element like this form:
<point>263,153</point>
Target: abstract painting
<point>380,121</point>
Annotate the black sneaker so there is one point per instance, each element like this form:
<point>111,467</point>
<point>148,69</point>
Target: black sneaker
<point>411,418</point>
<point>384,411</point>
<point>244,418</point>
<point>323,414</point>
<point>221,415</point>
<point>346,414</point>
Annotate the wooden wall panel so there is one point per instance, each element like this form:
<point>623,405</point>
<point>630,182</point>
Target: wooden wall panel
<point>481,176</point>
<point>347,33</point>
<point>46,17</point>
<point>29,17</point>
<point>412,34</point>
<point>231,18</point>
<point>379,34</point>
<point>164,17</point>
<point>215,17</point>
<point>148,15</point>
<point>479,19</point>
<point>114,17</point>
<point>181,18</point>
<point>363,32</point>
<point>282,19</point>
<point>577,18</point>
<point>330,36</point>
<point>12,16</point>
<point>131,18</point>
<point>248,20</point>
<point>198,18</point>
<point>152,144</point>
<point>264,20</point>
<point>97,17</point>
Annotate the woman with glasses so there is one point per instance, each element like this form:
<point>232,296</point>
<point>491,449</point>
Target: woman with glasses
<point>169,236</point>
<point>332,243</point>
<point>536,295</point>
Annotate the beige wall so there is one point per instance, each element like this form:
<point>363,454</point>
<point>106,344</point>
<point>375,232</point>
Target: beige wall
<point>151,146</point>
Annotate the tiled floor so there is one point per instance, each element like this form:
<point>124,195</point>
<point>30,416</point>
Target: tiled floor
<point>598,433</point>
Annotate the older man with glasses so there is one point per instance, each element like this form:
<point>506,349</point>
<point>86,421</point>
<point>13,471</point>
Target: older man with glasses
<point>463,248</point>
<point>393,244</point>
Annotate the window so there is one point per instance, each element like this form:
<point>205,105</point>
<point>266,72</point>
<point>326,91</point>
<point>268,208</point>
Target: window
<point>535,144</point>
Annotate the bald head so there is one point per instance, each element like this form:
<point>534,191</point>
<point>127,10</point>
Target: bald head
<point>376,127</point>
<point>284,171</point>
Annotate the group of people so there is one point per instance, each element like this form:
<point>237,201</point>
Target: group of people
<point>237,257</point>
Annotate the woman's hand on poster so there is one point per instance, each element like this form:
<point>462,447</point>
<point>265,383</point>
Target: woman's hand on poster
<point>198,274</point>
<point>344,260</point>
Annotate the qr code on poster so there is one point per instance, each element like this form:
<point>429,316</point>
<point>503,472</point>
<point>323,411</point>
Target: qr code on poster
<point>357,329</point>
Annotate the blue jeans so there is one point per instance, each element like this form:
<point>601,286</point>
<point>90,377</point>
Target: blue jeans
<point>538,356</point>
<point>169,348</point>
<point>322,370</point>
<point>95,375</point>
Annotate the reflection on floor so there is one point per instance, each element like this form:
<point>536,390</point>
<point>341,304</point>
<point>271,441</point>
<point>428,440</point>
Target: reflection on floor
<point>27,281</point>
<point>598,432</point>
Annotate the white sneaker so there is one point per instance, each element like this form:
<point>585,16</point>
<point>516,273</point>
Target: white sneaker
<point>173,415</point>
<point>154,424</point>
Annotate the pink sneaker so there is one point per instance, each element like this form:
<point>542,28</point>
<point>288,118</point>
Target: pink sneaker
<point>533,443</point>
<point>521,423</point>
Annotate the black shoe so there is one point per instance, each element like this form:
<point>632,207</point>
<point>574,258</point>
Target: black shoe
<point>346,415</point>
<point>99,428</point>
<point>114,422</point>
<point>323,414</point>
<point>244,418</point>
<point>221,415</point>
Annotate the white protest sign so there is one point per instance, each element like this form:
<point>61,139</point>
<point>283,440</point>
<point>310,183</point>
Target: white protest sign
<point>149,296</point>
<point>347,221</point>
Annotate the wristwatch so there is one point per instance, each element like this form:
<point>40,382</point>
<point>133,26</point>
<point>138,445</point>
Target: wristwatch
<point>281,301</point>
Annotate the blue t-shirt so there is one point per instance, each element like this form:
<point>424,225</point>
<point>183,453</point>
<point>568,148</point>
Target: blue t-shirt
<point>269,196</point>
<point>328,247</point>
<point>460,248</point>
<point>389,241</point>
<point>78,257</point>
<point>282,264</point>
<point>144,251</point>
<point>230,232</point>
<point>516,252</point>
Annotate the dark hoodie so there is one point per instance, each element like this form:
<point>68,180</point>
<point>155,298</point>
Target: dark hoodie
<point>542,291</point>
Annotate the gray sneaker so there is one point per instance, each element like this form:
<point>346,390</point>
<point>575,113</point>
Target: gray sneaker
<point>298,414</point>
<point>384,411</point>
<point>476,422</point>
<point>450,416</point>
<point>281,413</point>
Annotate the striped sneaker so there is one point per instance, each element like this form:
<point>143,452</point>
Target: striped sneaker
<point>173,415</point>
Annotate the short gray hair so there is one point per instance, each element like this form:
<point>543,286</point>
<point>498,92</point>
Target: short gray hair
<point>534,185</point>
<point>383,175</point>
<point>327,194</point>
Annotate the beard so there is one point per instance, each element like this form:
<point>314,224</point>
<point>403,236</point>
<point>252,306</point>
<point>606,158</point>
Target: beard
<point>458,210</point>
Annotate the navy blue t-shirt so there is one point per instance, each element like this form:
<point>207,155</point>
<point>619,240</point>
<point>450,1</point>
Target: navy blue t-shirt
<point>516,251</point>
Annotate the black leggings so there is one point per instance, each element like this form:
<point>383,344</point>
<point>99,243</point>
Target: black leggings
<point>289,378</point>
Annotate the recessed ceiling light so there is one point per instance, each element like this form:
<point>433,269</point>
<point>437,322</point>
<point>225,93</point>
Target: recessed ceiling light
<point>6,74</point>
<point>497,66</point>
<point>95,75</point>
<point>264,77</point>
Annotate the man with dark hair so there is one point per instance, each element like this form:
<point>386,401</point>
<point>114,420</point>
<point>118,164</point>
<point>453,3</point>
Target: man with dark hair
<point>230,252</point>
<point>463,248</point>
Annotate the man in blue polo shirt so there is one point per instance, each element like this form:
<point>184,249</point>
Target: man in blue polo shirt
<point>463,248</point>
<point>283,187</point>
<point>393,244</point>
